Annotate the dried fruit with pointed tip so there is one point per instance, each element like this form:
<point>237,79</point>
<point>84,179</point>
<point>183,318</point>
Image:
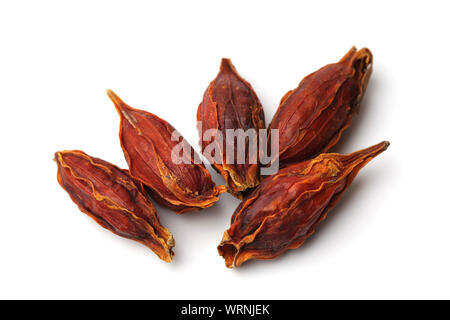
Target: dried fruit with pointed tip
<point>109,196</point>
<point>285,208</point>
<point>312,117</point>
<point>182,184</point>
<point>229,104</point>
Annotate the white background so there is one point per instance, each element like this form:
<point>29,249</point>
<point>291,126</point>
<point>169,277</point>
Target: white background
<point>389,236</point>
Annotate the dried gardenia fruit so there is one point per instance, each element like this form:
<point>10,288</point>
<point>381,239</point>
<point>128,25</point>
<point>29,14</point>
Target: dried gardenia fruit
<point>229,103</point>
<point>285,208</point>
<point>109,196</point>
<point>312,117</point>
<point>182,185</point>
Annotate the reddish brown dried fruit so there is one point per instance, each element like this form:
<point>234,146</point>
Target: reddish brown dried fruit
<point>109,196</point>
<point>312,117</point>
<point>285,208</point>
<point>147,145</point>
<point>229,102</point>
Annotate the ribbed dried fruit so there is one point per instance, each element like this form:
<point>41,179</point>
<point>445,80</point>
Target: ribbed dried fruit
<point>108,195</point>
<point>229,103</point>
<point>312,117</point>
<point>147,144</point>
<point>285,208</point>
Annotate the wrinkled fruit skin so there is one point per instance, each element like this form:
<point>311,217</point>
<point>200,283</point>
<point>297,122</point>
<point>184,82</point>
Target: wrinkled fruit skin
<point>312,117</point>
<point>147,146</point>
<point>109,196</point>
<point>230,102</point>
<point>285,208</point>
